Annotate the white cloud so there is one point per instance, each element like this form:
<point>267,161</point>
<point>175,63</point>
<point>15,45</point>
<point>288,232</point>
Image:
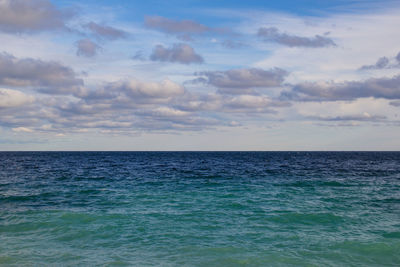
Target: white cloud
<point>13,98</point>
<point>22,130</point>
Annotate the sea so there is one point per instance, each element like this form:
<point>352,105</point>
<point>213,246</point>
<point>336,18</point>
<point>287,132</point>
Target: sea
<point>199,208</point>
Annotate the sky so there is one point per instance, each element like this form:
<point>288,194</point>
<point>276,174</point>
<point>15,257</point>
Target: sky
<point>199,75</point>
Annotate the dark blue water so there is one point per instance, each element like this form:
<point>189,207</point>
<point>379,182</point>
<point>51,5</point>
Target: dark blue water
<point>200,208</point>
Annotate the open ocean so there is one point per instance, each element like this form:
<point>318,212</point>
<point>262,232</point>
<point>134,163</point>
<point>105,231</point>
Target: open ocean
<point>200,208</point>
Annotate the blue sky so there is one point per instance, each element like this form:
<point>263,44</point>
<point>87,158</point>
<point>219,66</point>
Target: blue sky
<point>199,75</point>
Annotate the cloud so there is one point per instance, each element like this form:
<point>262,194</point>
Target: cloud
<point>225,104</point>
<point>382,63</point>
<point>395,103</point>
<point>181,53</point>
<point>149,90</point>
<point>132,106</point>
<point>13,98</point>
<point>134,93</point>
<point>139,56</point>
<point>18,16</point>
<point>86,48</point>
<point>105,32</point>
<point>251,104</point>
<point>388,88</point>
<point>233,44</point>
<point>175,26</point>
<point>22,129</point>
<point>272,34</point>
<point>235,80</point>
<point>182,29</point>
<point>357,117</point>
<point>47,77</point>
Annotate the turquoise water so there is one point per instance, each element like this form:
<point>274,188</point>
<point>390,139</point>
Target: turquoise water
<point>199,209</point>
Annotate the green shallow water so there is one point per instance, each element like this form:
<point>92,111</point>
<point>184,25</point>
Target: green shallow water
<point>200,209</point>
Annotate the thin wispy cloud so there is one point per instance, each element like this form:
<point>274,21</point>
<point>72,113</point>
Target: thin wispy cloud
<point>237,81</point>
<point>105,32</point>
<point>272,34</point>
<point>184,29</point>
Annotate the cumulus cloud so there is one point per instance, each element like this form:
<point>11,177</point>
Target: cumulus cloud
<point>272,34</point>
<point>19,16</point>
<point>235,80</point>
<point>388,88</point>
<point>48,77</point>
<point>148,90</point>
<point>105,32</point>
<point>22,129</point>
<point>13,98</point>
<point>86,48</point>
<point>131,93</point>
<point>180,53</point>
<point>130,106</point>
<point>382,63</point>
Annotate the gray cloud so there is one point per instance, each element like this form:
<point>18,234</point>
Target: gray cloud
<point>356,117</point>
<point>175,26</point>
<point>31,16</point>
<point>395,103</point>
<point>129,107</point>
<point>382,63</point>
<point>181,53</point>
<point>232,44</point>
<point>272,34</point>
<point>148,92</point>
<point>48,77</point>
<point>86,48</point>
<point>388,88</point>
<point>238,80</point>
<point>134,93</point>
<point>105,32</point>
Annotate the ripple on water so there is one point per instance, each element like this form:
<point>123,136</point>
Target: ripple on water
<point>199,209</point>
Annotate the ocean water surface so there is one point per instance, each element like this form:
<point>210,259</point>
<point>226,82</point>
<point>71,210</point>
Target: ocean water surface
<point>200,208</point>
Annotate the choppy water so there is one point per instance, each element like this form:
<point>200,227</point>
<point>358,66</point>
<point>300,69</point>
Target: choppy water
<point>200,209</point>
